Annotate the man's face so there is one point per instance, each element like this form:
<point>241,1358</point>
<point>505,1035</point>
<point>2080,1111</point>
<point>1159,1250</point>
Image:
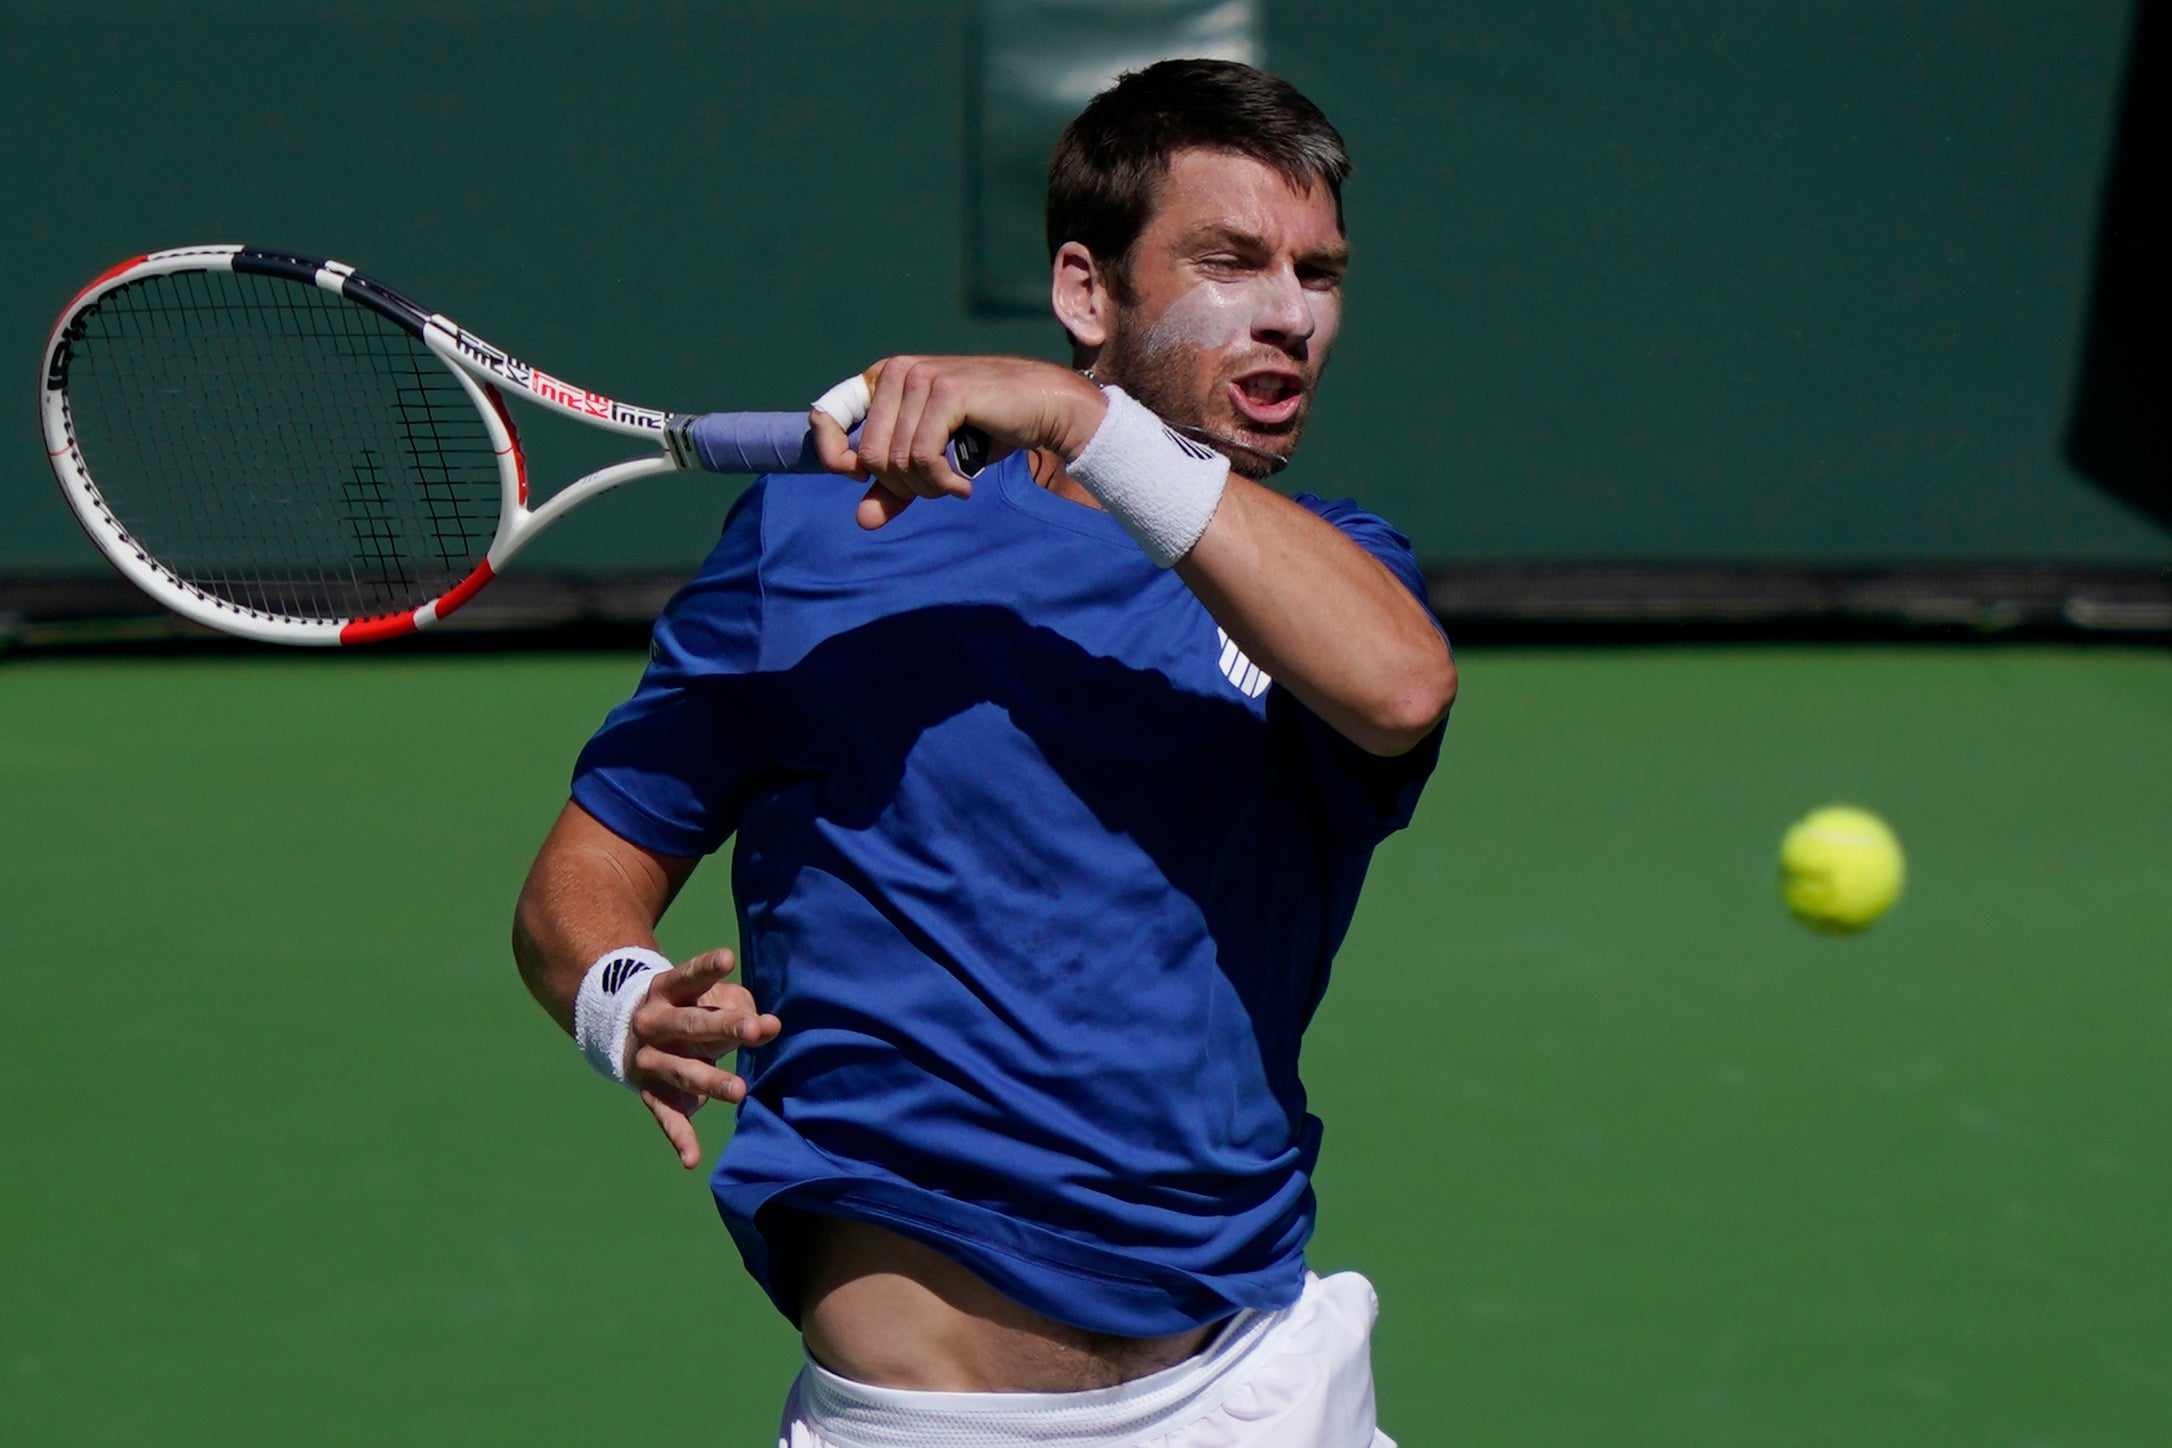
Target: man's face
<point>1236,297</point>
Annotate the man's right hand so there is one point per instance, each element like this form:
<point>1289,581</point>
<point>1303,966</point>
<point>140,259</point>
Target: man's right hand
<point>690,1017</point>
<point>919,403</point>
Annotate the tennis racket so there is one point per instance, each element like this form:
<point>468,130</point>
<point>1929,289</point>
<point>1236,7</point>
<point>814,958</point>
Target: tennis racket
<point>278,447</point>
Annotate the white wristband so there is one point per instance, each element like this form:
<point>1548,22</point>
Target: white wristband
<point>603,1010</point>
<point>1163,488</point>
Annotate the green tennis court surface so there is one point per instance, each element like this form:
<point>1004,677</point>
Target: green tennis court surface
<point>289,1157</point>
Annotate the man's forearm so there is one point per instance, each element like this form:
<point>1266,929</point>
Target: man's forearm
<point>588,892</point>
<point>1324,617</point>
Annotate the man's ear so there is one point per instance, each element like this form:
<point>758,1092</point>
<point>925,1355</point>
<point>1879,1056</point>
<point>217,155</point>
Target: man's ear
<point>1080,293</point>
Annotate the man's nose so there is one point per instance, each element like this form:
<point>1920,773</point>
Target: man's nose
<point>1285,311</point>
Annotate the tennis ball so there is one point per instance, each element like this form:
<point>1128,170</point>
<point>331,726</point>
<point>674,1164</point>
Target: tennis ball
<point>1840,868</point>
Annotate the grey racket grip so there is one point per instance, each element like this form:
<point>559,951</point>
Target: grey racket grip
<point>779,442</point>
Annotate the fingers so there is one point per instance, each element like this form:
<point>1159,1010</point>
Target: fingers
<point>939,417</point>
<point>692,1009</point>
<point>759,1030</point>
<point>677,1129</point>
<point>886,381</point>
<point>685,983</point>
<point>930,409</point>
<point>879,507</point>
<point>738,1023</point>
<point>674,1087</point>
<point>709,1029</point>
<point>917,403</point>
<point>690,1016</point>
<point>833,446</point>
<point>685,1081</point>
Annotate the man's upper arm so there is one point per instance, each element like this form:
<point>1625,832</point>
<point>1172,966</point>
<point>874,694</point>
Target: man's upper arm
<point>649,876</point>
<point>1382,539</point>
<point>672,767</point>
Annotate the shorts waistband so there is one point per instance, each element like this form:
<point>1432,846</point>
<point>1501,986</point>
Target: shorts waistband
<point>852,1414</point>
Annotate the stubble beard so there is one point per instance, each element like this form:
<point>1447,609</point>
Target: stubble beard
<point>1164,381</point>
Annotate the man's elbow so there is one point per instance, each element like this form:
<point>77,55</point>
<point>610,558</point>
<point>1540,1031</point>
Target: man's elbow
<point>529,925</point>
<point>1412,711</point>
<point>524,944</point>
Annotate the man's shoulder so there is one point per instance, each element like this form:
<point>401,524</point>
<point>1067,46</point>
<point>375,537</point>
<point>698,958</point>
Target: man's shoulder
<point>783,521</point>
<point>806,525</point>
<point>1341,511</point>
<point>782,505</point>
<point>1372,531</point>
<point>1376,535</point>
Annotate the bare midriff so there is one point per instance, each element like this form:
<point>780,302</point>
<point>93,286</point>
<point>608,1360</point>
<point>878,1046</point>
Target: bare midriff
<point>883,1309</point>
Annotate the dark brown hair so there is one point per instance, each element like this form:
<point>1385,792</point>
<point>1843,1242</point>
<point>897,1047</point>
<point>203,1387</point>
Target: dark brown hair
<point>1109,165</point>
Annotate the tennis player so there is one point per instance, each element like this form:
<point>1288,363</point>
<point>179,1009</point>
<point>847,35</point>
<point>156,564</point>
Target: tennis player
<point>1052,796</point>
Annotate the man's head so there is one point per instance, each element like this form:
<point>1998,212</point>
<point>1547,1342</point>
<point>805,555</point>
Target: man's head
<point>1195,231</point>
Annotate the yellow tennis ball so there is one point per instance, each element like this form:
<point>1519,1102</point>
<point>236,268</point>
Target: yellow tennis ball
<point>1840,868</point>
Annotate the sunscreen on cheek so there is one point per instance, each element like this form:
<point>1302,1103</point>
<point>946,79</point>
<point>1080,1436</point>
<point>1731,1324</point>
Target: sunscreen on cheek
<point>1217,315</point>
<point>1207,318</point>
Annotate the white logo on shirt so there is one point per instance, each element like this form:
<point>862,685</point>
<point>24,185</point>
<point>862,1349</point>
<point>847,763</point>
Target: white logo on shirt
<point>1251,680</point>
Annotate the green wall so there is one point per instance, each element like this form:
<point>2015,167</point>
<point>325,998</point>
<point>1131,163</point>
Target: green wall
<point>1741,282</point>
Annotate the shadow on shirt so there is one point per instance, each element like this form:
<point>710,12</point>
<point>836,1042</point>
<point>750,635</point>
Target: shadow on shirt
<point>958,758</point>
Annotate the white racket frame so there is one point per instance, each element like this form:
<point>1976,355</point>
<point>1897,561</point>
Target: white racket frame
<point>482,369</point>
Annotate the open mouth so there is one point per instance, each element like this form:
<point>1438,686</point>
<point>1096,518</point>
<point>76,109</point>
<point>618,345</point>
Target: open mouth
<point>1267,398</point>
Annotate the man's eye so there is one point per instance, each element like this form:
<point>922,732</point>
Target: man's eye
<point>1321,279</point>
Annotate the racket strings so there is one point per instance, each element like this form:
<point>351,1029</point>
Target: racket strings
<point>278,447</point>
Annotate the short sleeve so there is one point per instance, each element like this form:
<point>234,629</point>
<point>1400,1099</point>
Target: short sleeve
<point>673,766</point>
<point>1372,796</point>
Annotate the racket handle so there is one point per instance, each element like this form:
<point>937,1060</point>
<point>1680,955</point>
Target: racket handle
<point>779,442</point>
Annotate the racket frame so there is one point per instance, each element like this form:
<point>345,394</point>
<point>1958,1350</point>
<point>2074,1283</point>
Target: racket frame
<point>481,368</point>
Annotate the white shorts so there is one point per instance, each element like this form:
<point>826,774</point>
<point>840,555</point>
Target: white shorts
<point>1298,1378</point>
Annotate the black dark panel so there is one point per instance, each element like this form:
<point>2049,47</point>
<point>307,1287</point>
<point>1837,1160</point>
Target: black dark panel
<point>2118,437</point>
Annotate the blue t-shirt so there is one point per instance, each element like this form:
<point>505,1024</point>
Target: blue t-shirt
<point>1040,874</point>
